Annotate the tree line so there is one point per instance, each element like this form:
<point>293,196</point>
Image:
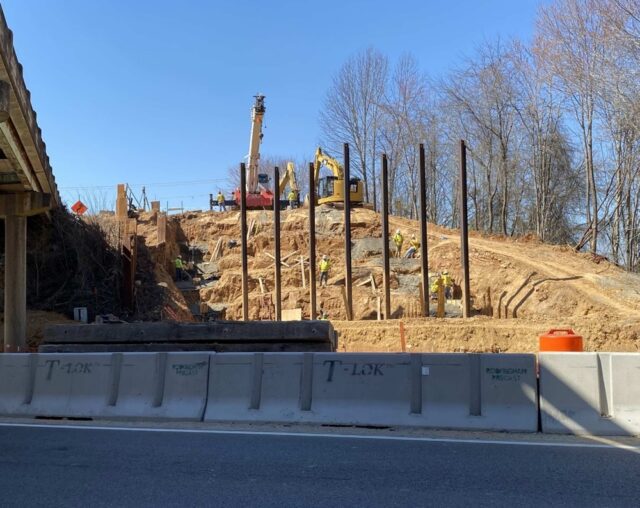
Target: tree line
<point>552,126</point>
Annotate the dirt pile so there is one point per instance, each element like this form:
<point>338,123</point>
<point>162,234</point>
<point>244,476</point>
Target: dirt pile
<point>520,287</point>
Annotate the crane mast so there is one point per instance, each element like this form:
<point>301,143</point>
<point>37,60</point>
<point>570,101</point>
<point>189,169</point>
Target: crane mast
<point>257,115</point>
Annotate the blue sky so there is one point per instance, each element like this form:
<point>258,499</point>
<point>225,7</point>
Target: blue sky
<point>159,92</point>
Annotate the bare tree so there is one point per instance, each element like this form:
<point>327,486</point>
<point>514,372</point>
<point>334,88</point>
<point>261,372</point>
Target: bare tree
<point>351,113</point>
<point>570,41</point>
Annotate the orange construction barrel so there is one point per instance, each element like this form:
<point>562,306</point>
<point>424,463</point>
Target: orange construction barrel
<point>560,339</point>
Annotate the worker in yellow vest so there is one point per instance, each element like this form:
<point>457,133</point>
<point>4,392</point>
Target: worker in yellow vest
<point>414,245</point>
<point>221,202</point>
<point>179,268</point>
<point>325,264</point>
<point>398,240</point>
<point>293,199</point>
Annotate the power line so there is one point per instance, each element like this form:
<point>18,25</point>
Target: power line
<point>156,184</point>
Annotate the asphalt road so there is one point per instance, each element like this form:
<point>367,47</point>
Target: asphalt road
<point>94,467</point>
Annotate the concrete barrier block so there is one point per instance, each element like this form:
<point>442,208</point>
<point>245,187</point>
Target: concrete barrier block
<point>230,381</point>
<point>361,389</point>
<point>509,394</point>
<point>159,386</point>
<point>255,387</point>
<point>16,383</point>
<point>479,391</point>
<point>590,393</point>
<point>77,385</point>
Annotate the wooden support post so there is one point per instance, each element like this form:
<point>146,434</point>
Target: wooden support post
<point>304,282</point>
<point>379,307</point>
<point>403,343</point>
<point>422,299</point>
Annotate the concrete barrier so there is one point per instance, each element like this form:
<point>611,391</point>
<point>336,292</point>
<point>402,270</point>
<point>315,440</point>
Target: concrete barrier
<point>590,393</point>
<point>493,392</point>
<point>160,386</point>
<point>362,389</point>
<point>255,387</point>
<point>71,385</point>
<point>16,387</point>
<point>105,385</point>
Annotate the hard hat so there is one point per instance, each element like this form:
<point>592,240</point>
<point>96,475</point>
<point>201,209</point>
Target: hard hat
<point>413,236</point>
<point>445,273</point>
<point>397,231</point>
<point>324,257</point>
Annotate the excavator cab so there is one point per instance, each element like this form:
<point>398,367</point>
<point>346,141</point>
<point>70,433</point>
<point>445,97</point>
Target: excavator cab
<point>331,187</point>
<point>331,190</point>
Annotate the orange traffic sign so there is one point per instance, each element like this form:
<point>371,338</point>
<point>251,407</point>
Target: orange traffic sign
<point>79,207</point>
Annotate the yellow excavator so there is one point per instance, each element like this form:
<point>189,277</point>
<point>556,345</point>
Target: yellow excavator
<point>289,177</point>
<point>330,189</point>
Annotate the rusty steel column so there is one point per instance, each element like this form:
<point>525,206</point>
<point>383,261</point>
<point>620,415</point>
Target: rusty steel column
<point>276,243</point>
<point>424,250</point>
<point>243,235</point>
<point>347,231</point>
<point>464,232</point>
<point>385,237</point>
<point>312,242</point>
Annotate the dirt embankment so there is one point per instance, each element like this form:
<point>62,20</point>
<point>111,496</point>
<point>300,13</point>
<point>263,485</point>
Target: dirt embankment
<point>520,288</point>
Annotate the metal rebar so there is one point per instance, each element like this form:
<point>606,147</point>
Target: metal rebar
<point>424,251</point>
<point>276,254</point>
<point>385,237</point>
<point>312,242</point>
<point>243,243</point>
<point>464,232</point>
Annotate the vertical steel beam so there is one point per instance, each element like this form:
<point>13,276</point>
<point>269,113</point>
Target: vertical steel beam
<point>347,231</point>
<point>243,235</point>
<point>464,232</point>
<point>424,250</point>
<point>385,237</point>
<point>312,241</point>
<point>276,254</point>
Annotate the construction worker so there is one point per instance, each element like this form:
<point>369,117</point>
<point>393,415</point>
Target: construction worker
<point>221,200</point>
<point>398,240</point>
<point>325,265</point>
<point>448,284</point>
<point>414,245</point>
<point>434,284</point>
<point>179,268</point>
<point>293,199</point>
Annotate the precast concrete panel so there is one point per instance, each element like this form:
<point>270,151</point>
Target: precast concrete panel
<point>361,389</point>
<point>16,383</point>
<point>590,393</point>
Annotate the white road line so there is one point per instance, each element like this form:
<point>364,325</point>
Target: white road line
<point>608,445</point>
